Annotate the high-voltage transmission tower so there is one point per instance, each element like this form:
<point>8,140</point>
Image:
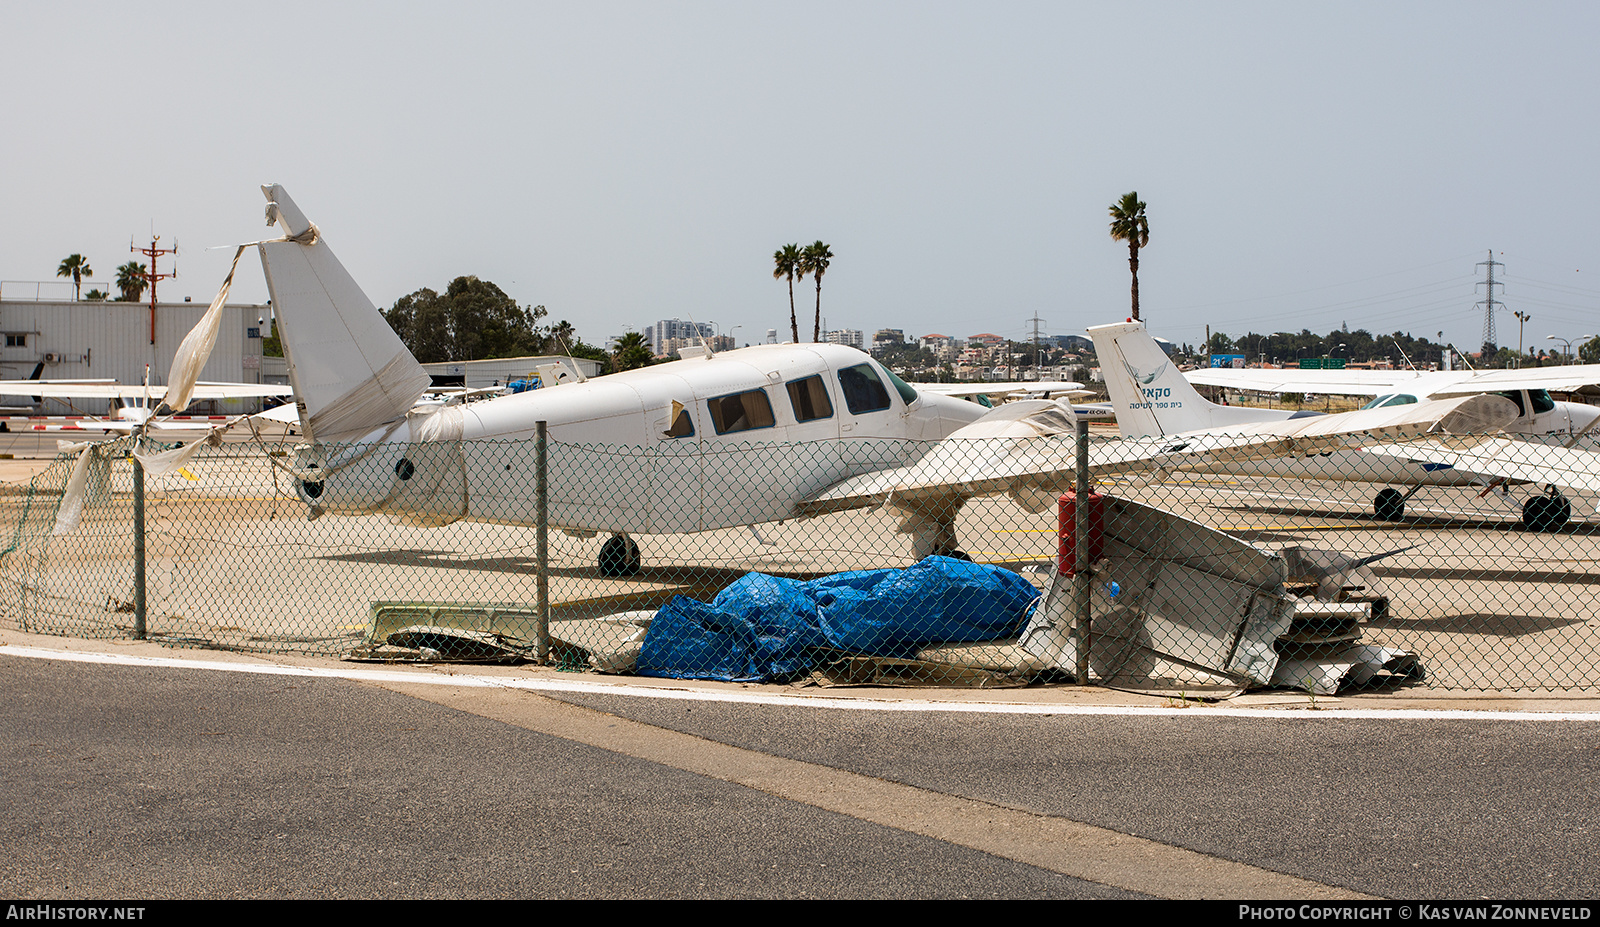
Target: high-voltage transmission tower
<point>1035,338</point>
<point>1489,302</point>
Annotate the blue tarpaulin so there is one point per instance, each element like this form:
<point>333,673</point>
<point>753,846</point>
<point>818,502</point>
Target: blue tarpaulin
<point>765,628</point>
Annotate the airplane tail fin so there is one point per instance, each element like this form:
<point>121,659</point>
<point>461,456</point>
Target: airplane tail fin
<point>1150,394</point>
<point>350,372</point>
<point>1147,390</point>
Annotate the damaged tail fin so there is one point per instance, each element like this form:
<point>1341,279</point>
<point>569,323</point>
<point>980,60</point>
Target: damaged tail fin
<point>350,372</point>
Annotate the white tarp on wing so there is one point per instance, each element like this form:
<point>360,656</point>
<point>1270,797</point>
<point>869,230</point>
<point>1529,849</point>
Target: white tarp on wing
<point>350,371</point>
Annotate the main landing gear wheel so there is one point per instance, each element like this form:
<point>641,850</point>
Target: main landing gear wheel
<point>619,556</point>
<point>1546,513</point>
<point>1389,505</point>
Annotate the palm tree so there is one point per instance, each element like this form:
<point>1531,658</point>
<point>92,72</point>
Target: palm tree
<point>631,352</point>
<point>131,281</point>
<point>786,266</point>
<point>814,261</point>
<point>77,267</point>
<point>1128,223</point>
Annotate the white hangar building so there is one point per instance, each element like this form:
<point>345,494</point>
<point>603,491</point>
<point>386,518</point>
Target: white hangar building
<point>69,340</point>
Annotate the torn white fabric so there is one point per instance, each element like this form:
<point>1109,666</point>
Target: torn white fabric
<point>196,346</point>
<point>165,463</point>
<point>70,511</point>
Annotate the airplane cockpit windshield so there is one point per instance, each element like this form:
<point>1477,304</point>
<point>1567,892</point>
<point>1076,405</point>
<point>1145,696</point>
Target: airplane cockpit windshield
<point>906,390</point>
<point>1392,399</point>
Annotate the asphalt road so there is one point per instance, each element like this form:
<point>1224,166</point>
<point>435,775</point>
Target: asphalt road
<point>138,783</point>
<point>160,782</point>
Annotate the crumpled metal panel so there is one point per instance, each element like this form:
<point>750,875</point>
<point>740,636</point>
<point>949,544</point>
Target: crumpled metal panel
<point>1176,607</point>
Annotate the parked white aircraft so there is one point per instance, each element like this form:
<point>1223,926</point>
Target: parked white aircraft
<point>1152,397</point>
<point>694,439</point>
<point>135,405</point>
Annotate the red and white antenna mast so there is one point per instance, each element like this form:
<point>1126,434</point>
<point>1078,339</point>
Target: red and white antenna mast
<point>151,276</point>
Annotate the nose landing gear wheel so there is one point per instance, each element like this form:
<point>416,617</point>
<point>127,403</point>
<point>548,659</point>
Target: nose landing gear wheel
<point>619,556</point>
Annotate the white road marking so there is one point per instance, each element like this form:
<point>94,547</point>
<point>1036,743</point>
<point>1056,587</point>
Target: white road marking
<point>430,676</point>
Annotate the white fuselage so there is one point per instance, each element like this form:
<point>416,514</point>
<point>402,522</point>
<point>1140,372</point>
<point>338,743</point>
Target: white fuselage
<point>679,447</point>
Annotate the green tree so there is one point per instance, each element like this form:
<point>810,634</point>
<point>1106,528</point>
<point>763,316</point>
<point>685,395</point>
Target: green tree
<point>563,339</point>
<point>471,320</point>
<point>96,296</point>
<point>131,281</point>
<point>814,260</point>
<point>631,351</point>
<point>77,267</point>
<point>1589,351</point>
<point>1128,223</point>
<point>786,266</point>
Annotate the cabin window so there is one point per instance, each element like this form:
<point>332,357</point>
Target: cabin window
<point>809,397</point>
<point>682,424</point>
<point>741,412</point>
<point>1541,401</point>
<point>863,390</point>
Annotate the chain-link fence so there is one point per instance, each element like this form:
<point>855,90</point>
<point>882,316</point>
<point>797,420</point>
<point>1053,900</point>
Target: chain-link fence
<point>693,564</point>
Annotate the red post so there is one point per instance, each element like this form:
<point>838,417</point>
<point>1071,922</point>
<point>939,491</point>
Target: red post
<point>1066,529</point>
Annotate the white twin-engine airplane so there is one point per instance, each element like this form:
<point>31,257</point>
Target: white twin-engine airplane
<point>712,441</point>
<point>1151,397</point>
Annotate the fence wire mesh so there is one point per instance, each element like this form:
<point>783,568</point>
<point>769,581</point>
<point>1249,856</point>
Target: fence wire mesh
<point>1202,581</point>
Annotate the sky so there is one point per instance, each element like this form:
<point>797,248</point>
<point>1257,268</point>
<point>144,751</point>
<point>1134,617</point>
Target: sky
<point>1304,165</point>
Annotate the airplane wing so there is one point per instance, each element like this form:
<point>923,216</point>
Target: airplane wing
<point>107,389</point>
<point>1294,380</point>
<point>1574,378</point>
<point>204,390</point>
<point>1052,388</point>
<point>1527,461</point>
<point>1026,450</point>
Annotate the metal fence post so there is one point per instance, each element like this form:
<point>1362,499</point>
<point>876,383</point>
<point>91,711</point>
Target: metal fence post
<point>1080,566</point>
<point>542,628</point>
<point>139,628</point>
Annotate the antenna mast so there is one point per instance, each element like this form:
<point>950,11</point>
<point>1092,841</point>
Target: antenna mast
<point>1489,302</point>
<point>151,276</point>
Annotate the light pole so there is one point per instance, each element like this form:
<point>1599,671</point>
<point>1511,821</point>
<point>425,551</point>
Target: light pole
<point>1566,348</point>
<point>1522,319</point>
